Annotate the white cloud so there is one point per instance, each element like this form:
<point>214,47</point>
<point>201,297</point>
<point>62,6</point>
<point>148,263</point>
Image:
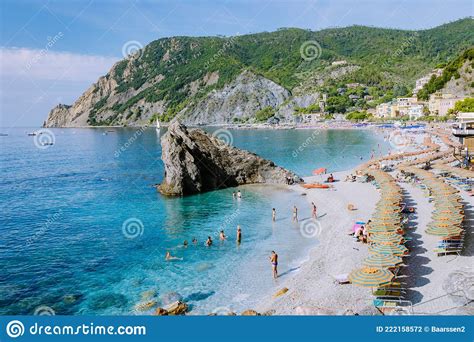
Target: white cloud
<point>42,64</point>
<point>34,81</point>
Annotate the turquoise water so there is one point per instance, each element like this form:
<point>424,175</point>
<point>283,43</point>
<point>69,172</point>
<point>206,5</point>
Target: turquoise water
<point>84,232</point>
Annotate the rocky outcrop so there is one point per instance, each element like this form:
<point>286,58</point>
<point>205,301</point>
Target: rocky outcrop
<point>196,161</point>
<point>239,100</point>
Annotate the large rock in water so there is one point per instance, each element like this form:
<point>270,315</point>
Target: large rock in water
<point>196,161</point>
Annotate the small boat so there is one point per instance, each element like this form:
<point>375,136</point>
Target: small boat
<point>32,134</point>
<point>316,186</point>
<point>157,125</point>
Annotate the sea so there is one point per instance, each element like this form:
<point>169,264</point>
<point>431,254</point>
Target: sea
<point>83,230</point>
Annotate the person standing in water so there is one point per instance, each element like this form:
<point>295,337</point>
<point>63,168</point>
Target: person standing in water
<point>209,241</point>
<point>313,210</point>
<point>274,213</point>
<point>239,234</point>
<point>295,213</point>
<point>222,236</point>
<point>239,195</point>
<point>274,261</point>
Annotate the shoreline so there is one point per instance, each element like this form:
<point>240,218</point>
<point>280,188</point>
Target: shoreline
<point>314,291</point>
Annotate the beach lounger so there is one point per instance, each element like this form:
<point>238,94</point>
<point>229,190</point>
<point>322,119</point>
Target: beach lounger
<point>445,251</point>
<point>394,306</point>
<point>342,278</point>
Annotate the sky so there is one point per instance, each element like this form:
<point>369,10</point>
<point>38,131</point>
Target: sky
<point>52,51</point>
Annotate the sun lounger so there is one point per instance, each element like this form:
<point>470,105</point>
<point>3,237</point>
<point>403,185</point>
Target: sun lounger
<point>394,306</point>
<point>342,278</point>
<point>445,251</point>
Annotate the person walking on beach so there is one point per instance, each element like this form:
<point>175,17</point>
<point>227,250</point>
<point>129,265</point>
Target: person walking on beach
<point>239,234</point>
<point>314,211</point>
<point>274,261</point>
<point>274,213</point>
<point>295,213</point>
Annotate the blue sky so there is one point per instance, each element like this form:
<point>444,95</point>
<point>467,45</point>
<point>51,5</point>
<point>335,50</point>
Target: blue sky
<point>52,51</point>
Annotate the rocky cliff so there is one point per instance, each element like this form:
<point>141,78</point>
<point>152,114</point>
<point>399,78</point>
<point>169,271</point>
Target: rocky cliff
<point>196,161</point>
<point>215,80</point>
<point>238,100</point>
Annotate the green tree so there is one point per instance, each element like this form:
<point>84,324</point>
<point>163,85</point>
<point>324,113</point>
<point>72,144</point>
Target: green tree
<point>465,106</point>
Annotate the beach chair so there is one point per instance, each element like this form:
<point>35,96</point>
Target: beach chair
<point>393,306</point>
<point>342,279</point>
<point>448,250</point>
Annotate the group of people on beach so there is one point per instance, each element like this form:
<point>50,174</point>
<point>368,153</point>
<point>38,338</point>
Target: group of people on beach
<point>222,236</point>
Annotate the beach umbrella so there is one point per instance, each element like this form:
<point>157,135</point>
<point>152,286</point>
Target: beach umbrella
<point>382,261</point>
<point>399,250</point>
<point>370,277</point>
<point>319,171</point>
<point>390,238</point>
<point>444,231</point>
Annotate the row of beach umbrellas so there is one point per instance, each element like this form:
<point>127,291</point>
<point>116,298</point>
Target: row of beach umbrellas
<point>448,213</point>
<point>386,242</point>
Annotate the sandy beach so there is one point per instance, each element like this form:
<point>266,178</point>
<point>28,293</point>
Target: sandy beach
<point>434,284</point>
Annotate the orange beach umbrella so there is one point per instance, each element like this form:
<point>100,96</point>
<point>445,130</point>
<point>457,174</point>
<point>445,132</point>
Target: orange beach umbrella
<point>319,171</point>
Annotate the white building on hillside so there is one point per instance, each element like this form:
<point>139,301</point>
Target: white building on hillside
<point>420,83</point>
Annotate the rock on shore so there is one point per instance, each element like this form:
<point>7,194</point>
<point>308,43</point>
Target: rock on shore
<point>196,161</point>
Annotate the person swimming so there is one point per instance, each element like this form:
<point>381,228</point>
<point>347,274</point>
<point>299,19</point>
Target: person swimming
<point>274,213</point>
<point>169,257</point>
<point>239,234</point>
<point>222,236</point>
<point>274,262</point>
<point>195,241</point>
<point>185,243</point>
<point>209,241</point>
